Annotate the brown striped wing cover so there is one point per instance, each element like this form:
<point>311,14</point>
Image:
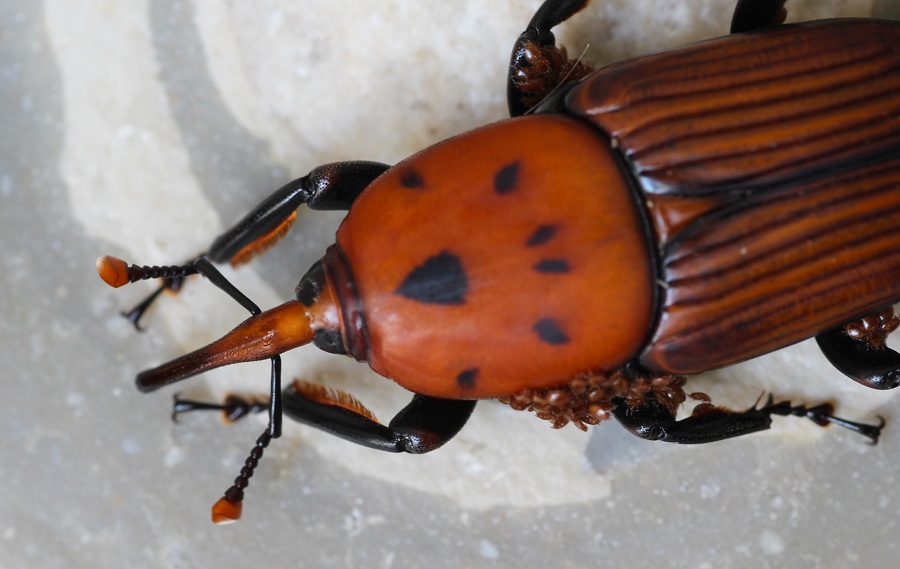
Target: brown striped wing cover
<point>770,164</point>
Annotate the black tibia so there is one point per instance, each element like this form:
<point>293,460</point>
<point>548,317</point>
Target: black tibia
<point>752,15</point>
<point>858,351</point>
<point>422,426</point>
<point>328,187</point>
<point>653,421</point>
<point>537,66</point>
<point>134,315</point>
<point>332,186</point>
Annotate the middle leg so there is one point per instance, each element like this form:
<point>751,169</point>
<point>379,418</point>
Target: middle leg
<point>537,66</point>
<point>329,187</point>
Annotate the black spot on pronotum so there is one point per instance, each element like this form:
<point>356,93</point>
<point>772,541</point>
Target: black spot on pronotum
<point>549,331</point>
<point>506,180</point>
<point>441,279</point>
<point>412,179</point>
<point>466,378</point>
<point>541,235</point>
<point>552,266</point>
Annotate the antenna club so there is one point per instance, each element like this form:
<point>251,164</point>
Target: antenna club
<point>224,511</point>
<point>113,271</point>
<point>228,509</point>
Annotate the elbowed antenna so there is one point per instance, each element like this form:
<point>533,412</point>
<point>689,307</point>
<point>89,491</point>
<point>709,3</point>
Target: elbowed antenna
<point>265,335</point>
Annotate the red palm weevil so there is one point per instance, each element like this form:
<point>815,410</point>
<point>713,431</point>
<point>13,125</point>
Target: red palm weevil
<point>656,218</point>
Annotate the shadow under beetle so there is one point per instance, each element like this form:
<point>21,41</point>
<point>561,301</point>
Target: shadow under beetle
<point>656,218</point>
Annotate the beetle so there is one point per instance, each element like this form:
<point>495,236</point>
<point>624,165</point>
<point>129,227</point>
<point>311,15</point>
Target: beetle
<point>629,226</point>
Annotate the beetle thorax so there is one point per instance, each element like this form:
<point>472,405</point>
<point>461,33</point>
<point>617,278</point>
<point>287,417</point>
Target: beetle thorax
<point>489,264</point>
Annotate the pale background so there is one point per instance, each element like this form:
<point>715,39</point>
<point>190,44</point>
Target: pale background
<point>143,128</point>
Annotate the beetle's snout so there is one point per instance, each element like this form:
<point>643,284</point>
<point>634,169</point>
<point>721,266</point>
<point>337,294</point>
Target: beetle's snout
<point>260,337</point>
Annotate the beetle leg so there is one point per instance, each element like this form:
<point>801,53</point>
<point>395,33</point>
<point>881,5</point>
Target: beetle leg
<point>116,272</point>
<point>537,66</point>
<point>330,187</point>
<point>233,407</point>
<point>653,421</point>
<point>858,350</point>
<point>422,426</point>
<point>750,15</point>
<point>134,315</point>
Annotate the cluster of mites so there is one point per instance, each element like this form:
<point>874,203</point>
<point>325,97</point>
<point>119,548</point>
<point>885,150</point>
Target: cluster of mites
<point>590,398</point>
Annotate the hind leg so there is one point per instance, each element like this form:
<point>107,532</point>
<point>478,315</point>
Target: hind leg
<point>858,350</point>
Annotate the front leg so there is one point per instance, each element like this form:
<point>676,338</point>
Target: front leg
<point>330,187</point>
<point>424,425</point>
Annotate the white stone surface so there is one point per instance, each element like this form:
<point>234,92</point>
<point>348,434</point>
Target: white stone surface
<point>141,129</point>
